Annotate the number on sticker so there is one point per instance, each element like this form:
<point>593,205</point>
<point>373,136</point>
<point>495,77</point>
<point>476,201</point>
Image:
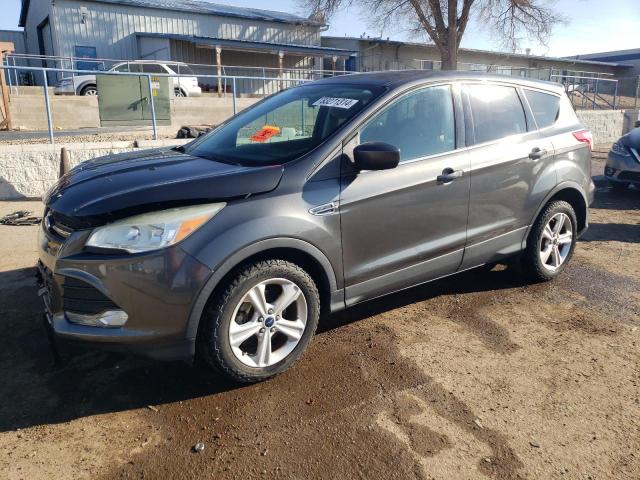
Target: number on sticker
<point>335,102</point>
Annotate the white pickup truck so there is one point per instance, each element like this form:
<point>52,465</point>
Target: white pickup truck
<point>183,86</point>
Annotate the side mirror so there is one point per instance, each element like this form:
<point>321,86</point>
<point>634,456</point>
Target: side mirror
<point>376,156</point>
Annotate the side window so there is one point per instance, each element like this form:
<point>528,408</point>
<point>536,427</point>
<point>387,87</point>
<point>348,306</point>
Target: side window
<point>545,107</point>
<point>497,112</point>
<point>419,124</point>
<point>152,68</point>
<point>121,68</point>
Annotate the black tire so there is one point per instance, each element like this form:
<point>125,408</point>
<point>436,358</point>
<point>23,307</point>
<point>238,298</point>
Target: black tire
<point>89,90</point>
<point>531,262</point>
<point>178,92</point>
<point>213,347</point>
<point>618,186</point>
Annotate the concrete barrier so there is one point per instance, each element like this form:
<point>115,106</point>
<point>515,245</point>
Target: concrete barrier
<point>68,113</point>
<point>605,125</point>
<point>71,113</point>
<point>28,171</point>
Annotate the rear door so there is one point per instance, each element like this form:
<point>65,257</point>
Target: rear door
<point>404,226</point>
<point>512,169</point>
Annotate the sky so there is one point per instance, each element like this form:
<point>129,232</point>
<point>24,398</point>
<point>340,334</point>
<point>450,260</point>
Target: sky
<point>593,25</point>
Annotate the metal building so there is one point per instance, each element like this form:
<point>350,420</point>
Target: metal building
<point>179,30</point>
<point>384,54</point>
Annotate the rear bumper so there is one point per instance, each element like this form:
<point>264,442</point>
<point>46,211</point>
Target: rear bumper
<point>194,92</point>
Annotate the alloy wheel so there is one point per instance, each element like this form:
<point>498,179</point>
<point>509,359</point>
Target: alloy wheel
<point>268,322</point>
<point>556,241</point>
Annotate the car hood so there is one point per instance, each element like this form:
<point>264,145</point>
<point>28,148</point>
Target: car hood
<point>116,186</point>
<point>631,139</point>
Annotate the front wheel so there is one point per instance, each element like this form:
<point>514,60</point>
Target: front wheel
<point>551,241</point>
<point>261,323</point>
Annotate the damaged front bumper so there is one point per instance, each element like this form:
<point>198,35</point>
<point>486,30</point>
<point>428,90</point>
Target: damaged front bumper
<point>136,303</point>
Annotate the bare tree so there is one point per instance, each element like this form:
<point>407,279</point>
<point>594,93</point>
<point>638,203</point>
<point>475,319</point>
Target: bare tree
<point>445,21</point>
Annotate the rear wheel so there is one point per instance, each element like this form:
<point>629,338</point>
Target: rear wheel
<point>551,241</point>
<point>90,91</point>
<point>180,93</point>
<point>261,323</point>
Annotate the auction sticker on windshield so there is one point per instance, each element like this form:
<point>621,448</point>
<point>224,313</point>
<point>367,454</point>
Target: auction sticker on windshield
<point>335,102</point>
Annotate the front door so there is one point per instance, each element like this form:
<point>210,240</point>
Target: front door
<point>407,225</point>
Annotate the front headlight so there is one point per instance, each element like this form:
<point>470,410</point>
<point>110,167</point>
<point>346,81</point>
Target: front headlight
<point>154,230</point>
<point>620,149</point>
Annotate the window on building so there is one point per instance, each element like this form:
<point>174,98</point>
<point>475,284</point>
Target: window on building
<point>88,53</point>
<point>419,124</point>
<point>497,112</point>
<point>545,107</point>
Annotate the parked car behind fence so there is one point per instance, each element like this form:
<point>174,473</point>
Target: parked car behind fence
<point>183,86</point>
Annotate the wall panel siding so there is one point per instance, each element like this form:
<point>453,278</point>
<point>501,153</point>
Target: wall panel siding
<point>111,28</point>
<point>16,37</point>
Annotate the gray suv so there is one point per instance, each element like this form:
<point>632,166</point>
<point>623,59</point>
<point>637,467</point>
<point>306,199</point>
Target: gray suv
<point>315,199</point>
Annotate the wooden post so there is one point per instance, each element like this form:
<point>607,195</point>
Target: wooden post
<point>219,64</point>
<point>5,122</point>
<point>281,67</point>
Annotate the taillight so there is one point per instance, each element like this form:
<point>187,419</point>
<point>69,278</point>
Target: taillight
<point>584,136</point>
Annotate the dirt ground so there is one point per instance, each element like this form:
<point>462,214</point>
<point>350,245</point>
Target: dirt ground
<point>476,376</point>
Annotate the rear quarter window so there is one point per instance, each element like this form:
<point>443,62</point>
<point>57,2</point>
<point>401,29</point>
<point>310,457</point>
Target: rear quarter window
<point>545,107</point>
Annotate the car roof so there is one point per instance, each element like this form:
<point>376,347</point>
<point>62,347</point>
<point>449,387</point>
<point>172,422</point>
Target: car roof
<point>398,78</point>
<point>163,62</point>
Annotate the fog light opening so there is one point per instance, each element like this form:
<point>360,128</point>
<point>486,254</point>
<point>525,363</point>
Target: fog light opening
<point>108,319</point>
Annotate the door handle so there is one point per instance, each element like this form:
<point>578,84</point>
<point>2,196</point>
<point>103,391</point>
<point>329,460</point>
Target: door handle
<point>537,153</point>
<point>449,175</point>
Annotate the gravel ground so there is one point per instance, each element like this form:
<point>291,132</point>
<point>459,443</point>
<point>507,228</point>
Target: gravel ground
<point>477,376</point>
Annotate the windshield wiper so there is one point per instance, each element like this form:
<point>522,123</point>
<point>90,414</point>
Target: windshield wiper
<point>179,148</point>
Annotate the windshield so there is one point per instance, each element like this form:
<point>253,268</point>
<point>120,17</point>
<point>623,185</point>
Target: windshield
<point>285,126</point>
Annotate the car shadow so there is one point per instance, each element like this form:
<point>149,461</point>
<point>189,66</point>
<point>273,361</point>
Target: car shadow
<point>616,232</point>
<point>608,199</point>
<point>36,391</point>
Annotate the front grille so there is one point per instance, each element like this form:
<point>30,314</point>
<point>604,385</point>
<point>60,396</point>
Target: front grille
<point>56,227</point>
<point>630,176</point>
<point>80,297</point>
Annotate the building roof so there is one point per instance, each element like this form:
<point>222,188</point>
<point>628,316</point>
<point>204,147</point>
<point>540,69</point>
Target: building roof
<point>487,52</point>
<point>615,55</point>
<point>253,46</point>
<point>199,6</point>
